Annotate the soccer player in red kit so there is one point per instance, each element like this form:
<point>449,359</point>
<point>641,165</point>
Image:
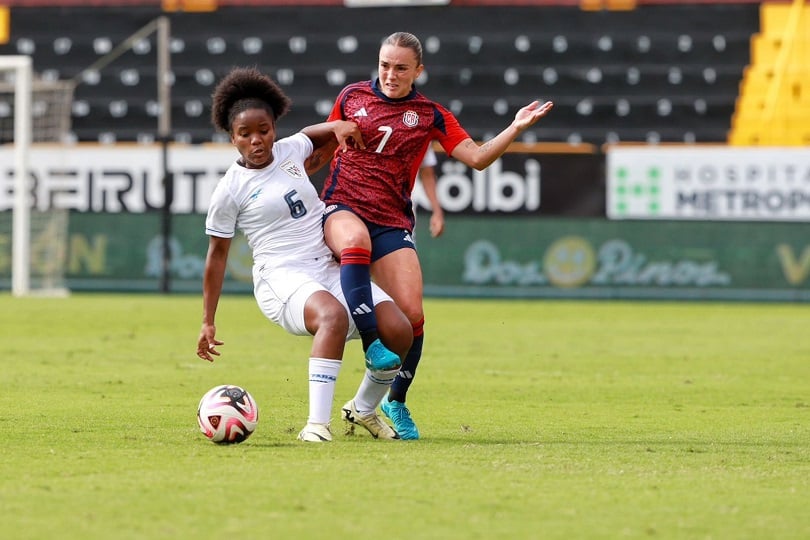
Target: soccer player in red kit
<point>369,216</point>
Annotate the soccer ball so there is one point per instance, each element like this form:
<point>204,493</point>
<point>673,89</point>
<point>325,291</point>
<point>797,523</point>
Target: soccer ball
<point>227,414</point>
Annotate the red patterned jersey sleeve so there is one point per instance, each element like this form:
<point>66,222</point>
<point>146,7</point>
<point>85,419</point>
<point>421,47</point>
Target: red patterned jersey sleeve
<point>452,133</point>
<point>337,109</point>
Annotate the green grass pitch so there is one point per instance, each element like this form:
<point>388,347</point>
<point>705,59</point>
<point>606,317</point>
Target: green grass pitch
<point>540,419</point>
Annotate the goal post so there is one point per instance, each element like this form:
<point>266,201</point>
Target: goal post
<point>35,111</point>
<point>21,68</point>
<point>41,112</point>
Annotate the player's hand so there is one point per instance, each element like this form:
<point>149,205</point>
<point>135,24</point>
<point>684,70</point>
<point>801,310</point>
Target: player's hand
<point>207,343</point>
<point>345,131</point>
<point>531,113</point>
<point>436,223</point>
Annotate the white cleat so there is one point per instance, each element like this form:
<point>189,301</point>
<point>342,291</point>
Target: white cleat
<point>315,433</point>
<point>371,421</point>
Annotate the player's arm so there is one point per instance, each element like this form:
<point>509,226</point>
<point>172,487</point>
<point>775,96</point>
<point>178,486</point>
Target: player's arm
<point>480,157</point>
<point>427,175</point>
<point>213,278</point>
<point>326,138</point>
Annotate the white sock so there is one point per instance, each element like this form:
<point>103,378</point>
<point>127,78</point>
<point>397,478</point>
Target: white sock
<point>323,375</point>
<point>372,389</point>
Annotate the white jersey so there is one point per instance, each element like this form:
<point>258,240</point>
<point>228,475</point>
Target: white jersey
<point>281,215</point>
<point>276,207</point>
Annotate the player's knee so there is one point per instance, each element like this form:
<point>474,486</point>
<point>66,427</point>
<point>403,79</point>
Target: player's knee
<point>330,317</point>
<point>395,329</point>
<point>342,234</point>
<point>418,327</point>
<point>414,313</point>
<point>357,238</point>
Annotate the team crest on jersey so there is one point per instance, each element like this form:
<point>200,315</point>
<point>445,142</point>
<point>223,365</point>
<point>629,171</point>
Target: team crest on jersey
<point>291,168</point>
<point>410,118</point>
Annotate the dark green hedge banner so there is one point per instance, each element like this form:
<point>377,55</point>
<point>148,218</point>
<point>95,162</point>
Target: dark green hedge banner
<point>477,256</point>
<point>617,259</point>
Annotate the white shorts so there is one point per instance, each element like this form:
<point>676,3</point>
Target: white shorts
<point>282,292</point>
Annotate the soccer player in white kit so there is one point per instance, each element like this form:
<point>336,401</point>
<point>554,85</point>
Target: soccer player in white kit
<point>267,195</point>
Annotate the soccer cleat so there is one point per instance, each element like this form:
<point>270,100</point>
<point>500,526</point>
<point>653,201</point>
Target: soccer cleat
<point>315,433</point>
<point>401,417</point>
<point>379,358</point>
<point>372,422</point>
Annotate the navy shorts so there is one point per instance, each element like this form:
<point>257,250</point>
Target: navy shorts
<point>384,240</point>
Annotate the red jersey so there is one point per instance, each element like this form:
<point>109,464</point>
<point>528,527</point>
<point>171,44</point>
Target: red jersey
<point>377,182</point>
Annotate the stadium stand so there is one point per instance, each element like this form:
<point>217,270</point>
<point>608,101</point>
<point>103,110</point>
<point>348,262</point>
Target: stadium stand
<point>656,73</point>
<point>774,103</point>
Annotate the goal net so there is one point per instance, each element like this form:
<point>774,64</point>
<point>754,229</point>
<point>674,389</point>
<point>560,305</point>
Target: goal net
<point>32,110</point>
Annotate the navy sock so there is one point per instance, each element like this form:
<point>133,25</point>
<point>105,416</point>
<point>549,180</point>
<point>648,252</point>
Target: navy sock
<point>400,386</point>
<point>355,280</point>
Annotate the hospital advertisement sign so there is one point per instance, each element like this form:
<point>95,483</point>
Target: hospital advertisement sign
<point>708,183</point>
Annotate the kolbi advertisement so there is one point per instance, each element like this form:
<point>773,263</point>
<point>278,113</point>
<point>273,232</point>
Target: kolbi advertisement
<point>129,179</point>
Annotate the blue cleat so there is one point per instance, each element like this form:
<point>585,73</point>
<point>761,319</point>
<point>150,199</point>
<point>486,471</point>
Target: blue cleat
<point>399,414</point>
<point>379,358</point>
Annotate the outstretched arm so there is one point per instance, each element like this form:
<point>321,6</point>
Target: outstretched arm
<point>326,138</point>
<point>213,277</point>
<point>481,157</point>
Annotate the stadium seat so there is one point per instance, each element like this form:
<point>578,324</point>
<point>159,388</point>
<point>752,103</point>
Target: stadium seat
<point>655,73</point>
